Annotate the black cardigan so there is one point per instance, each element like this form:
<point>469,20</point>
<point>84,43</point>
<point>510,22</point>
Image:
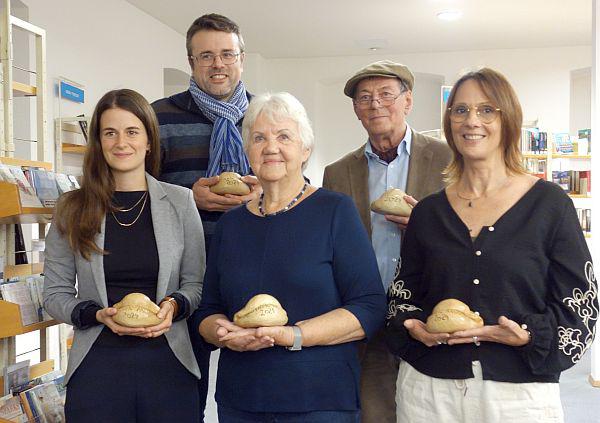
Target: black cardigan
<point>532,266</point>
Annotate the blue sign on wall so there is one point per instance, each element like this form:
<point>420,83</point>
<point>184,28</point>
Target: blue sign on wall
<point>71,92</point>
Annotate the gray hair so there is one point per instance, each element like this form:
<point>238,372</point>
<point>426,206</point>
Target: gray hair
<point>278,106</point>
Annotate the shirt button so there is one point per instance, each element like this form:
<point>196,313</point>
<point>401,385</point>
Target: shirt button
<point>476,281</point>
<point>491,229</point>
<point>394,260</point>
<point>477,253</point>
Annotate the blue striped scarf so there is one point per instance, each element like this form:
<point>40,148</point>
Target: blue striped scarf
<point>226,150</point>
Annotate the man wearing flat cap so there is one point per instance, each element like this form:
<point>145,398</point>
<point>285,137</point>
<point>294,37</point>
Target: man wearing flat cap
<point>394,156</point>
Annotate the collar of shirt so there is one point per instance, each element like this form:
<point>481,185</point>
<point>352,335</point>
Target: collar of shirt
<point>403,147</point>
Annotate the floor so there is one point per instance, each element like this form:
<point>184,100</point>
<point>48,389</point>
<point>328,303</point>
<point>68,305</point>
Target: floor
<point>581,402</point>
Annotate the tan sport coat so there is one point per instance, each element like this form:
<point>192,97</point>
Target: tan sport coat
<point>350,174</point>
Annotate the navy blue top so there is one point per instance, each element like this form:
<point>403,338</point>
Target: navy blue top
<point>315,258</point>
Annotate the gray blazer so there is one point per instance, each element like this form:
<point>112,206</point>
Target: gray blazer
<point>180,243</point>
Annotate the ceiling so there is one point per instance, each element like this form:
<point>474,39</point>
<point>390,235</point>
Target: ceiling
<point>313,28</point>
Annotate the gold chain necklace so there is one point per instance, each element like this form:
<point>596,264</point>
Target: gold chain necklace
<point>136,204</point>
<point>145,197</point>
<point>470,200</point>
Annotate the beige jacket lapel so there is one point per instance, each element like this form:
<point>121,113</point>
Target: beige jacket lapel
<point>419,170</point>
<point>358,175</point>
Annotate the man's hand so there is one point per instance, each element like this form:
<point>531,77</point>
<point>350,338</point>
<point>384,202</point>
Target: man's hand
<point>209,201</point>
<point>401,221</point>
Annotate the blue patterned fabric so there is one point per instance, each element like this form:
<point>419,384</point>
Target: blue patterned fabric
<point>226,149</point>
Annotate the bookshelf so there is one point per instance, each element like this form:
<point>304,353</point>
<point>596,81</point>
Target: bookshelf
<point>12,211</point>
<point>571,170</point>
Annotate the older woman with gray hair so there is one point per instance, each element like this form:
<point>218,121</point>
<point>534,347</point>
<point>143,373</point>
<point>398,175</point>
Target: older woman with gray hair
<point>307,248</point>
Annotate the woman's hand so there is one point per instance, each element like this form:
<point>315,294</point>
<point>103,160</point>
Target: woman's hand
<point>105,315</point>
<point>281,335</point>
<point>418,331</point>
<point>506,332</point>
<point>240,339</point>
<point>166,312</point>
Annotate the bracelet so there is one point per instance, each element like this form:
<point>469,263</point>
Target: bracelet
<point>173,302</point>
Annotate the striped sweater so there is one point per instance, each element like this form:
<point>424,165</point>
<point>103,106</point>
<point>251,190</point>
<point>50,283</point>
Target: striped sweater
<point>185,145</point>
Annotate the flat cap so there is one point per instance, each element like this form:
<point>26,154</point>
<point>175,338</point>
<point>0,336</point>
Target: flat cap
<point>385,68</point>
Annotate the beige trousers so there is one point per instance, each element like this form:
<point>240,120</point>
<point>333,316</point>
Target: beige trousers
<point>421,398</point>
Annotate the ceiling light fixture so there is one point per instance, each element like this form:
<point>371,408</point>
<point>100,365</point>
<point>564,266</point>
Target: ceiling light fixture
<point>449,15</point>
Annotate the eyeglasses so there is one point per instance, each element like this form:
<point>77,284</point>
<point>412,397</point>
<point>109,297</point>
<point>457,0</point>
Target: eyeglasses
<point>486,113</point>
<point>384,100</point>
<point>207,59</point>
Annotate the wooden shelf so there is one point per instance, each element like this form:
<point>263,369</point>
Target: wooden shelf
<point>11,271</point>
<point>70,127</point>
<point>73,148</point>
<point>27,163</point>
<point>579,196</point>
<point>535,155</point>
<point>35,371</point>
<point>23,90</point>
<point>587,235</point>
<point>11,210</point>
<point>10,321</point>
<point>571,156</point>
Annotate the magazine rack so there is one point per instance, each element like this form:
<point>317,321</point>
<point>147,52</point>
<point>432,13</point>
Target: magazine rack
<point>11,210</point>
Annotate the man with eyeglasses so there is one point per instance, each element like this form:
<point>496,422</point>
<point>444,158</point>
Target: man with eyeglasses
<point>394,156</point>
<point>200,135</point>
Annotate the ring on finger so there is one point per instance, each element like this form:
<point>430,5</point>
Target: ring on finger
<point>476,341</point>
<point>439,342</point>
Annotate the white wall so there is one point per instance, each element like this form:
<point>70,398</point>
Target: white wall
<point>104,45</point>
<point>541,78</point>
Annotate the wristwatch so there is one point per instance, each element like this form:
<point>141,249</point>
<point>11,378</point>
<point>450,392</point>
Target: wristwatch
<point>297,345</point>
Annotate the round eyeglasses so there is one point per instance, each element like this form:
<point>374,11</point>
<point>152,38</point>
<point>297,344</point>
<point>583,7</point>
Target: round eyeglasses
<point>207,59</point>
<point>485,113</point>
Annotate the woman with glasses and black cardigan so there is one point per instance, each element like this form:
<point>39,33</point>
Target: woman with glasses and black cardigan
<point>510,246</point>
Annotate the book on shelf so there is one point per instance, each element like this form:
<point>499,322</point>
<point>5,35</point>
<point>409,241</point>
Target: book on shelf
<point>534,141</point>
<point>26,191</point>
<point>19,293</point>
<point>26,291</point>
<point>44,403</point>
<point>536,167</point>
<point>15,375</point>
<point>43,398</point>
<point>573,181</point>
<point>45,186</point>
<point>12,410</point>
<point>83,125</point>
<point>585,141</point>
<point>585,219</point>
<point>563,143</point>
